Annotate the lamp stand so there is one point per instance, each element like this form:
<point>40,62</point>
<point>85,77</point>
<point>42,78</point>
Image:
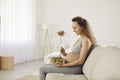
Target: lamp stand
<point>46,46</point>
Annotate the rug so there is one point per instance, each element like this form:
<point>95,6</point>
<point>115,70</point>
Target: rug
<point>29,77</point>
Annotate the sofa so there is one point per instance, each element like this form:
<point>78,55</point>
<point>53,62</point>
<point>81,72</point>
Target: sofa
<point>103,63</point>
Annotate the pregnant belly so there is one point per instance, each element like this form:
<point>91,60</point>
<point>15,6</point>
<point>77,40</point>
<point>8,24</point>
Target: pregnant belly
<point>71,57</point>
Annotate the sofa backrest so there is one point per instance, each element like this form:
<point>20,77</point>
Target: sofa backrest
<point>107,66</point>
<point>91,61</point>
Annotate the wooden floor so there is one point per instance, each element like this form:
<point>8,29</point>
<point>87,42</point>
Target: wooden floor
<point>21,69</point>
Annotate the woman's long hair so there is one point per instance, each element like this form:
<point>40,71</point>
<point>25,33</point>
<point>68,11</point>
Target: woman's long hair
<point>86,28</point>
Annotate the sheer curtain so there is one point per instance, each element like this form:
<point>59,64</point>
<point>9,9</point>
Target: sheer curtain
<point>18,28</point>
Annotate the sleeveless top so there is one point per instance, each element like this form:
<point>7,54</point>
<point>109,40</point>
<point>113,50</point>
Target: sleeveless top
<point>77,47</point>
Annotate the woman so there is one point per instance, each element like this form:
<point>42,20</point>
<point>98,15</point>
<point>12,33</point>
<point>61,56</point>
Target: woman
<point>76,58</point>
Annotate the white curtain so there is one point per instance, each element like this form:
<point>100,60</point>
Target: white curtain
<point>18,28</point>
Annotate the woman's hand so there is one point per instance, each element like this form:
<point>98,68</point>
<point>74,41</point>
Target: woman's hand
<point>62,51</point>
<point>58,64</point>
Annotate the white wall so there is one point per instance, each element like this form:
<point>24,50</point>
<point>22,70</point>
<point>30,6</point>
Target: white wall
<point>104,16</point>
<point>0,6</point>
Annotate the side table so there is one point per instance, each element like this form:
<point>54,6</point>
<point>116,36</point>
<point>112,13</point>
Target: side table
<point>6,62</point>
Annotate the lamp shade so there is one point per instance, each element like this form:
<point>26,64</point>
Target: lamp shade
<point>46,26</point>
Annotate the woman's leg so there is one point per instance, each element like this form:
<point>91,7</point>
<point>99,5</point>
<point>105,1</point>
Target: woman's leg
<point>48,68</point>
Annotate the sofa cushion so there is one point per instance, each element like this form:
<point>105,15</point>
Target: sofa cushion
<point>107,66</point>
<point>91,61</point>
<point>58,76</point>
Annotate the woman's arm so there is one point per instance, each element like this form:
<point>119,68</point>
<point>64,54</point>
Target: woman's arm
<point>83,53</point>
<point>62,50</point>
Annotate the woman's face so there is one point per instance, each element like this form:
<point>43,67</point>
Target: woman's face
<point>76,28</point>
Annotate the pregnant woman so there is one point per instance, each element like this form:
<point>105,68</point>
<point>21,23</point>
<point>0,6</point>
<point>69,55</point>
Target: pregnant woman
<point>75,59</point>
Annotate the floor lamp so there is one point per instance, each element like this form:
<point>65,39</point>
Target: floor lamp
<point>46,43</point>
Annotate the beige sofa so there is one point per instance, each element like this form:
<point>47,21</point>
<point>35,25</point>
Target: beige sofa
<point>103,63</point>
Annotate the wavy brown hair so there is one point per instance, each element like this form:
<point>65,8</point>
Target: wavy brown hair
<point>86,28</point>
